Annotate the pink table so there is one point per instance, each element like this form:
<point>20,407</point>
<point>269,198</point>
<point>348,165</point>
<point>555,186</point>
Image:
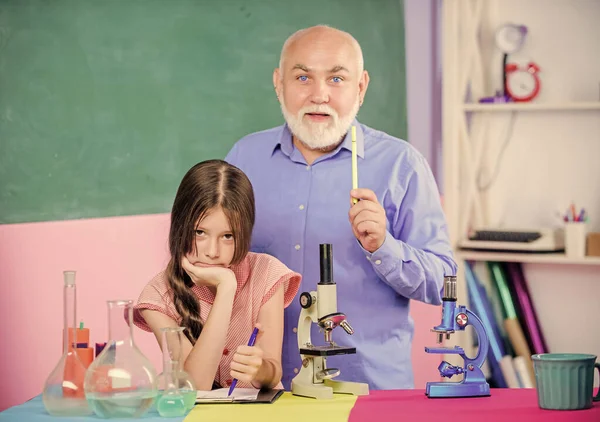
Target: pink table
<point>503,405</point>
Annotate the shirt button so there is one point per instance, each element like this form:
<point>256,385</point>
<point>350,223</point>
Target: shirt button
<point>307,167</point>
<point>296,370</point>
<point>297,247</point>
<point>295,329</point>
<point>378,262</point>
<point>225,352</point>
<point>301,207</point>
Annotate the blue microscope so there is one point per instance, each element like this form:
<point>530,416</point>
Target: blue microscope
<point>457,318</point>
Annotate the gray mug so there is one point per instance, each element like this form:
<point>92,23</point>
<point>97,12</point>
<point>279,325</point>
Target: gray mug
<point>565,381</point>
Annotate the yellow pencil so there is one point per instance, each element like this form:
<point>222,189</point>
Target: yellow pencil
<point>354,164</point>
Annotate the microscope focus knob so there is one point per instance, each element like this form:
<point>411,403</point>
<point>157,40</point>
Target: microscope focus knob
<point>306,300</point>
<point>462,319</point>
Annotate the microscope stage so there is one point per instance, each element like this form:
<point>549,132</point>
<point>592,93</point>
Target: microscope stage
<point>327,350</point>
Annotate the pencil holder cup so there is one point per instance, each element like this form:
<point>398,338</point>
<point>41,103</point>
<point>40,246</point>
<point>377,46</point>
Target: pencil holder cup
<point>575,239</point>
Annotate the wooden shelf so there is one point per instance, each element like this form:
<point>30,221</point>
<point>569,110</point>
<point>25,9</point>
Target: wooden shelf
<point>540,258</point>
<point>477,107</point>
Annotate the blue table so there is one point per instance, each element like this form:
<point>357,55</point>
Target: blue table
<point>34,411</point>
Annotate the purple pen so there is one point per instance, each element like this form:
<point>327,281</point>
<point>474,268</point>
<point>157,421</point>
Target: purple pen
<point>250,343</point>
<point>581,215</point>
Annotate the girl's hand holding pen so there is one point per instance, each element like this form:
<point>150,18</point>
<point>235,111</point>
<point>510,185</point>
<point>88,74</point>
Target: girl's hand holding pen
<point>211,276</point>
<point>247,361</point>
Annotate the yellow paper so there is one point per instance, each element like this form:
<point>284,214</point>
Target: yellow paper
<point>287,408</point>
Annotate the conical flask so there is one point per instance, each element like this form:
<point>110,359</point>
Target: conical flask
<point>63,393</point>
<point>178,394</point>
<point>121,382</point>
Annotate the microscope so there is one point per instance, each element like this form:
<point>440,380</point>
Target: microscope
<point>320,307</point>
<point>457,318</point>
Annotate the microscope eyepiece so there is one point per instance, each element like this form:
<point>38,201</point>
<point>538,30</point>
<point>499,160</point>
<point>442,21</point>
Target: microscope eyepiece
<point>449,288</point>
<point>326,258</point>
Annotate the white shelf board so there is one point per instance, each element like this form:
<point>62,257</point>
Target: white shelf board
<point>540,258</point>
<point>567,106</point>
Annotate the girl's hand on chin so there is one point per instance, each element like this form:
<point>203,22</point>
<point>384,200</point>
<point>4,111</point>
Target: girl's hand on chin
<point>209,276</point>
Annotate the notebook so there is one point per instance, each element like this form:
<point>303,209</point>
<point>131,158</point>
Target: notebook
<point>239,395</point>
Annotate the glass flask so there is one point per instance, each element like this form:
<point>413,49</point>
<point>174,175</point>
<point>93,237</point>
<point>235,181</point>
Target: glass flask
<point>178,391</point>
<point>121,382</point>
<point>63,393</point>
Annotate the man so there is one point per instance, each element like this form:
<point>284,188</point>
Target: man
<point>388,248</point>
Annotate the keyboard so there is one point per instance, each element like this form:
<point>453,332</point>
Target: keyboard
<point>542,240</point>
<point>505,236</point>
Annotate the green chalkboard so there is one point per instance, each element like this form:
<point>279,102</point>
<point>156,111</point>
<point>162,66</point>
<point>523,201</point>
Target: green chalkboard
<point>104,104</point>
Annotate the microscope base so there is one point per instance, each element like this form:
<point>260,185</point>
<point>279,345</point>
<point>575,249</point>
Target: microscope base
<point>326,390</point>
<point>311,381</point>
<point>457,389</point>
<point>315,391</point>
<point>347,387</point>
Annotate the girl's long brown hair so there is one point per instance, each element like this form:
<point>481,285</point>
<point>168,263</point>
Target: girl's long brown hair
<point>207,185</point>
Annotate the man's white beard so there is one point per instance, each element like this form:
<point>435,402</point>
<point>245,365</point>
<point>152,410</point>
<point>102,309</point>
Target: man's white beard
<point>317,135</point>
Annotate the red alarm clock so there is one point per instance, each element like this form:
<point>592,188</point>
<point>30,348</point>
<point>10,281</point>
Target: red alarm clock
<point>522,82</point>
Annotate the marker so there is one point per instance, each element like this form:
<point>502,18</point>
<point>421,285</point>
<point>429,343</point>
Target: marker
<point>354,164</point>
<point>250,343</point>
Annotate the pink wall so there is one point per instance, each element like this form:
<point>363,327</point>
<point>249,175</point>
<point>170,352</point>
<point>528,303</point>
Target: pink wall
<point>114,258</point>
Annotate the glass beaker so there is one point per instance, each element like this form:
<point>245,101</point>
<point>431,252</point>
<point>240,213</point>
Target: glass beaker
<point>63,393</point>
<point>121,382</point>
<point>179,393</point>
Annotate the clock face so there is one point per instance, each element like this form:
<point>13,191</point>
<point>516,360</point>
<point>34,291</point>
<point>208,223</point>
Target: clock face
<point>521,84</point>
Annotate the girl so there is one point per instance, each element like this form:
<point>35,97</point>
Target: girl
<point>215,287</point>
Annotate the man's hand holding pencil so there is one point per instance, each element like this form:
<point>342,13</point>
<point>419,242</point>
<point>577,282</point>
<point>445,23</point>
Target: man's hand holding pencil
<point>366,215</point>
<point>367,218</point>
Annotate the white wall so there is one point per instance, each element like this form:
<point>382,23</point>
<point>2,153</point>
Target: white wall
<point>553,158</point>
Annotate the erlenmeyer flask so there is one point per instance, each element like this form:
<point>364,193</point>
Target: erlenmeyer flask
<point>179,393</point>
<point>63,393</point>
<point>121,382</point>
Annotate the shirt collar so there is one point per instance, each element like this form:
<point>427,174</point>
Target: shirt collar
<point>284,141</point>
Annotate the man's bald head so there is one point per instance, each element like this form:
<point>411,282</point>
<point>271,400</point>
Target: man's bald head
<point>321,34</point>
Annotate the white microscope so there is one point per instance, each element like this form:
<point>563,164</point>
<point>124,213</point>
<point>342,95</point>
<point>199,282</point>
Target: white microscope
<point>320,307</point>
